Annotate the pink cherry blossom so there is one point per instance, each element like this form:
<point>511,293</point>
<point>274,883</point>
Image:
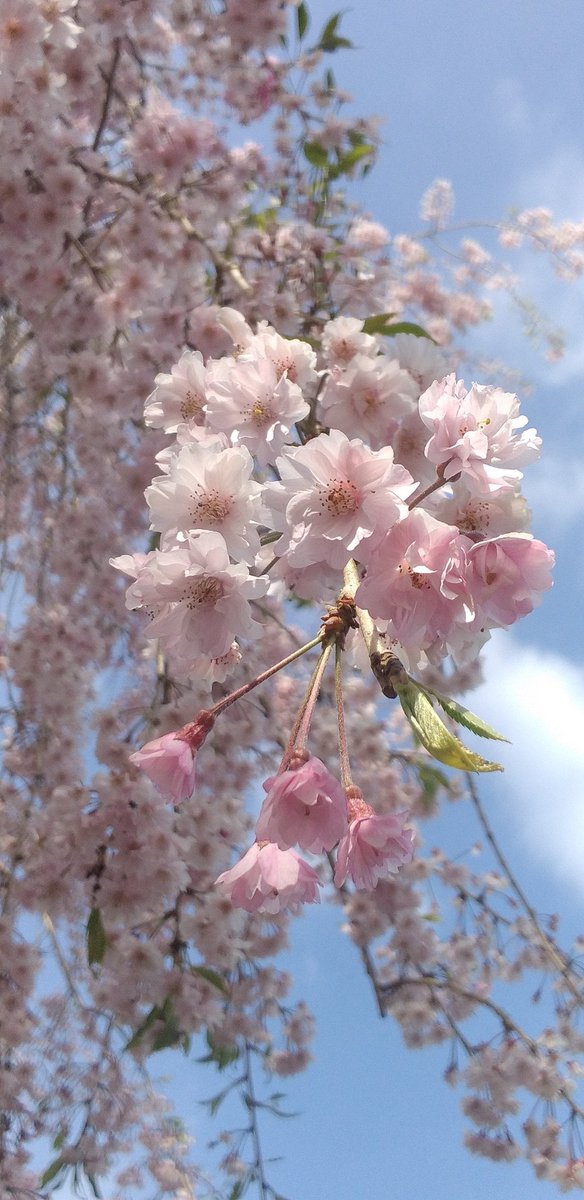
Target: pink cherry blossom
<point>374,847</point>
<point>199,600</point>
<point>179,397</point>
<point>416,580</point>
<point>254,405</point>
<point>506,576</point>
<point>290,356</point>
<point>208,487</point>
<point>476,433</point>
<point>169,762</point>
<point>269,880</point>
<point>370,396</point>
<point>480,517</point>
<point>333,494</point>
<point>420,357</point>
<point>305,806</point>
<point>343,338</point>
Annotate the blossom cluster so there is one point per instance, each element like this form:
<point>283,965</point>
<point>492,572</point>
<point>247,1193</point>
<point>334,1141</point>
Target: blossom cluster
<point>267,489</point>
<point>348,454</point>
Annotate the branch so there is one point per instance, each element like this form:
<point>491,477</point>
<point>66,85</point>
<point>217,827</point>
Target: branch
<point>109,81</point>
<point>558,959</point>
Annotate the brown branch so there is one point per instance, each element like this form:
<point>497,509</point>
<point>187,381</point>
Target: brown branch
<point>109,81</point>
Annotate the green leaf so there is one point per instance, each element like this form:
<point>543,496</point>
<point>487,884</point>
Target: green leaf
<point>222,1055</point>
<point>237,1189</point>
<point>214,1104</point>
<point>377,323</point>
<point>431,779</point>
<point>330,29</point>
<point>335,43</point>
<point>463,716</point>
<point>52,1171</point>
<point>346,162</point>
<point>302,19</point>
<point>212,977</point>
<point>316,155</point>
<point>406,327</point>
<point>329,40</point>
<point>170,1035</point>
<point>96,937</point>
<point>154,1015</point>
<point>433,734</point>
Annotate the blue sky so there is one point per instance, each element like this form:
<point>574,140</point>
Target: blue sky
<point>490,96</point>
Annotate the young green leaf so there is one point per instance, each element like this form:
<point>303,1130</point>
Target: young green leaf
<point>220,1054</point>
<point>329,39</point>
<point>377,323</point>
<point>433,734</point>
<point>96,937</point>
<point>431,779</point>
<point>346,162</point>
<point>406,327</point>
<point>463,716</point>
<point>316,155</point>
<point>52,1171</point>
<point>302,19</point>
<point>212,977</point>
<point>154,1015</point>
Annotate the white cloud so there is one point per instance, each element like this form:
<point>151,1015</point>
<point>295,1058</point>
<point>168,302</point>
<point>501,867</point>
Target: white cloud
<point>537,700</point>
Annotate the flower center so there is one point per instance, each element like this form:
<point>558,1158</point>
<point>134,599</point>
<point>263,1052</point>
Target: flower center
<point>417,580</point>
<point>204,590</point>
<point>210,507</point>
<point>343,350</point>
<point>260,413</point>
<point>341,498</point>
<point>191,406</point>
<point>370,398</point>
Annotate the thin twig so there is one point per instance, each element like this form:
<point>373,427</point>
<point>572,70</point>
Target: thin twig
<point>557,957</point>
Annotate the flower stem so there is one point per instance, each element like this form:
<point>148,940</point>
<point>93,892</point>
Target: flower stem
<point>248,687</point>
<point>299,733</point>
<point>345,765</point>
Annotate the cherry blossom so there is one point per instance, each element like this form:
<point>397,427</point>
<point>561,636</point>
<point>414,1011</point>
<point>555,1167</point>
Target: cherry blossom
<point>334,493</point>
<point>178,397</point>
<point>370,395</point>
<point>184,315</point>
<point>208,487</point>
<point>343,339</point>
<point>507,574</point>
<point>416,581</point>
<point>169,762</point>
<point>373,847</point>
<point>268,879</point>
<point>305,806</point>
<point>475,433</point>
<point>199,600</point>
<point>252,403</point>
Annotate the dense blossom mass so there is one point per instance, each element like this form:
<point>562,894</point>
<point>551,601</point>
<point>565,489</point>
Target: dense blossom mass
<point>223,378</point>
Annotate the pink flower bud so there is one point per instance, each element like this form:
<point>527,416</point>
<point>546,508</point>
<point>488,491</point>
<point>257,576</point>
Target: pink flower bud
<point>169,762</point>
